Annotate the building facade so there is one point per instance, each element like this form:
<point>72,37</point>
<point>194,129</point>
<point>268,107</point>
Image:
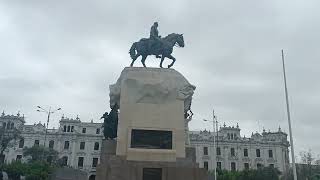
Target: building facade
<point>78,143</point>
<point>234,152</point>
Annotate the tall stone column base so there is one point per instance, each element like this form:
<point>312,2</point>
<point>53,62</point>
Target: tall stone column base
<point>113,167</point>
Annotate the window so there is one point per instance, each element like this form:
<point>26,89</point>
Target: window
<point>64,128</point>
<point>219,165</point>
<point>232,152</point>
<point>270,153</point>
<point>259,166</point>
<point>228,136</point>
<point>82,145</point>
<point>206,165</point>
<point>96,146</point>
<point>205,150</point>
<point>94,162</point>
<point>258,152</point>
<point>19,157</point>
<point>84,130</point>
<point>231,136</point>
<point>98,131</point>
<point>4,125</point>
<point>68,129</point>
<point>152,173</point>
<point>218,151</point>
<point>66,145</point>
<point>80,161</point>
<point>151,139</point>
<point>246,166</point>
<point>51,144</point>
<point>271,165</point>
<point>21,143</point>
<point>49,159</point>
<point>64,161</point>
<point>2,158</point>
<point>72,127</point>
<point>233,166</point>
<point>245,152</point>
<point>36,142</point>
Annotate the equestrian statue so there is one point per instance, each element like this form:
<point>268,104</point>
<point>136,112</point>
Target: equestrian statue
<point>155,45</point>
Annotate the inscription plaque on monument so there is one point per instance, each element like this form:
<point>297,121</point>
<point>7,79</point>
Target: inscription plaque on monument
<point>152,174</point>
<point>151,139</point>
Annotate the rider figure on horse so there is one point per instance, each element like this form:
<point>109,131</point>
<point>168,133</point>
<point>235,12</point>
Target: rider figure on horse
<point>154,37</point>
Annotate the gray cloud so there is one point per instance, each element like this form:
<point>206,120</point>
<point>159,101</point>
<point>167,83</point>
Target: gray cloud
<point>66,53</point>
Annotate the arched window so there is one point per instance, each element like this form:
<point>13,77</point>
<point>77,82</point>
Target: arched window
<point>233,166</point>
<point>92,177</point>
<point>64,160</point>
<point>12,126</point>
<point>21,143</point>
<point>96,146</point>
<point>232,152</point>
<point>258,152</point>
<point>8,125</point>
<point>51,144</point>
<point>4,125</point>
<point>66,145</point>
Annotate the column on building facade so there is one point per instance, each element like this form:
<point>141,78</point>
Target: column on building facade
<point>73,152</point>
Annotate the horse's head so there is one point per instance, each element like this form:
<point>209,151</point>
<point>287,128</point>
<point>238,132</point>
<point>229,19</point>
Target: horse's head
<point>175,38</point>
<point>180,40</point>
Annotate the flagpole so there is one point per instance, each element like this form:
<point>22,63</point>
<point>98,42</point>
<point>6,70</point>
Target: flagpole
<point>289,119</point>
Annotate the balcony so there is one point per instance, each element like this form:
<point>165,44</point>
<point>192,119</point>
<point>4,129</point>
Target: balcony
<point>233,158</point>
<point>206,157</point>
<point>271,160</point>
<point>220,158</point>
<point>246,159</point>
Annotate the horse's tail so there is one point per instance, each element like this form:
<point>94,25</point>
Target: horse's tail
<point>132,50</point>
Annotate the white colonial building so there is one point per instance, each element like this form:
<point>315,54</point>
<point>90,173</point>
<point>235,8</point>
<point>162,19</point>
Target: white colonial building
<point>234,152</point>
<point>78,143</point>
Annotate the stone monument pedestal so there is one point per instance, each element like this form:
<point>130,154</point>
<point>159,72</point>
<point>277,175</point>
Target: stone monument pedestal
<point>113,167</point>
<point>151,140</point>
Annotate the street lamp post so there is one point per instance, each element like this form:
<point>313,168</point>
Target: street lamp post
<point>288,116</point>
<point>48,112</point>
<point>214,121</point>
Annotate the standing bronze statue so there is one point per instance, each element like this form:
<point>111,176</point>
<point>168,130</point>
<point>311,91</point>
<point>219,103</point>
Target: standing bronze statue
<point>155,45</point>
<point>110,123</point>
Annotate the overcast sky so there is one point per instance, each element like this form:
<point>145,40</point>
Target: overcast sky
<point>66,53</point>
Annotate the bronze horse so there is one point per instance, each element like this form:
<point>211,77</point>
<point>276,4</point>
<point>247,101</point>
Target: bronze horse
<point>163,48</point>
